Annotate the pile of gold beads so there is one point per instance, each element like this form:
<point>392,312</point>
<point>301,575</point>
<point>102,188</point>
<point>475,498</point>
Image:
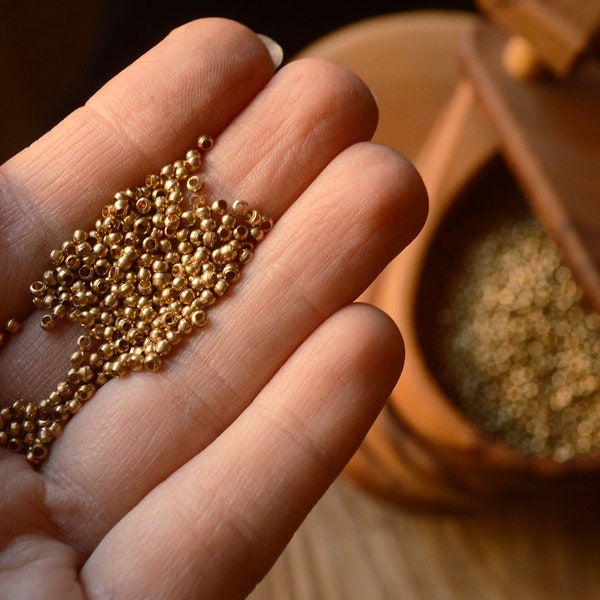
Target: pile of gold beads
<point>511,339</point>
<point>138,284</point>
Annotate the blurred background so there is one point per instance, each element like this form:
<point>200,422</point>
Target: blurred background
<point>56,53</point>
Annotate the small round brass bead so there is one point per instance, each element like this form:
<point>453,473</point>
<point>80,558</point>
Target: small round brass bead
<point>199,318</point>
<point>37,454</point>
<point>48,322</point>
<point>205,143</point>
<point>152,362</point>
<point>219,207</point>
<point>193,160</point>
<point>221,287</point>
<point>14,444</point>
<point>240,207</point>
<point>13,326</point>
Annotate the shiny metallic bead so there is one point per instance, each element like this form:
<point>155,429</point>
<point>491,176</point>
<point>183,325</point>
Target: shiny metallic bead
<point>199,318</point>
<point>253,217</point>
<point>181,171</point>
<point>45,435</point>
<point>135,361</point>
<point>37,453</point>
<point>14,444</point>
<point>38,289</point>
<point>207,298</point>
<point>257,233</point>
<point>209,238</point>
<point>162,347</point>
<point>220,287</point>
<point>167,172</point>
<point>56,257</point>
<point>13,326</point>
<point>205,143</point>
<point>152,362</point>
<point>64,389</point>
<point>193,158</point>
<point>231,272</point>
<point>266,224</point>
<point>175,197</point>
<point>224,234</point>
<point>73,406</point>
<point>240,207</point>
<point>219,207</point>
<point>49,278</point>
<point>208,224</point>
<point>195,184</point>
<point>68,247</point>
<point>184,326</point>
<point>48,322</point>
<point>161,280</point>
<point>245,256</point>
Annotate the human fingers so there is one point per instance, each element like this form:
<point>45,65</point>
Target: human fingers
<point>309,113</point>
<point>322,253</point>
<point>223,517</point>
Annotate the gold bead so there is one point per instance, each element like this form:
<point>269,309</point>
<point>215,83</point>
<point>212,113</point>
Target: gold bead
<point>231,272</point>
<point>205,143</point>
<point>181,170</point>
<point>37,454</point>
<point>266,224</point>
<point>220,287</point>
<point>240,207</point>
<point>13,326</point>
<point>45,435</point>
<point>219,207</point>
<point>209,238</point>
<point>161,280</point>
<point>14,444</point>
<point>167,172</point>
<point>253,217</point>
<point>162,347</point>
<point>48,322</point>
<point>199,318</point>
<point>152,362</point>
<point>56,257</point>
<point>245,256</point>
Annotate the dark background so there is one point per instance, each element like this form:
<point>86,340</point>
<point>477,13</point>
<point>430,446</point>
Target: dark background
<point>56,53</point>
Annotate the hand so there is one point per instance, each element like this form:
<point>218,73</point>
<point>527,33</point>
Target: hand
<point>189,482</point>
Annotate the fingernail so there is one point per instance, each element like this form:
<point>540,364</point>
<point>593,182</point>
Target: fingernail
<point>275,50</point>
<point>374,98</point>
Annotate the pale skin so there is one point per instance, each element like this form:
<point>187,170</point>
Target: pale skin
<point>188,483</point>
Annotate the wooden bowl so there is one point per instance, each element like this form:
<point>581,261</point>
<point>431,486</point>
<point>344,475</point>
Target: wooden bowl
<point>423,450</point>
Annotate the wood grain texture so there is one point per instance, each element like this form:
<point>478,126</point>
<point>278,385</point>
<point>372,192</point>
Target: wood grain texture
<point>354,546</point>
<point>561,31</point>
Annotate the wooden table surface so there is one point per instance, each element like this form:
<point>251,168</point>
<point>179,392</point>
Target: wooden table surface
<point>356,546</point>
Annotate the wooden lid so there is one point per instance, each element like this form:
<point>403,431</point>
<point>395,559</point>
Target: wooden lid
<point>560,31</point>
<point>549,130</point>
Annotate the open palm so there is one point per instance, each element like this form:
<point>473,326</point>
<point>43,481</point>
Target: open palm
<point>188,483</point>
